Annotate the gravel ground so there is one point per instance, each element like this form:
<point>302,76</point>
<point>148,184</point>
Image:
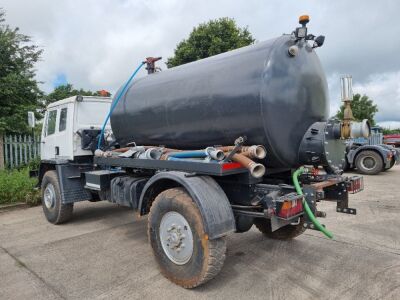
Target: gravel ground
<point>103,253</point>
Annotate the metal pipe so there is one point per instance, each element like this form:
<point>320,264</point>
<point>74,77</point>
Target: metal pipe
<point>215,154</point>
<point>346,82</point>
<point>256,170</point>
<point>151,153</point>
<point>255,151</point>
<point>124,149</point>
<point>210,152</point>
<point>101,153</point>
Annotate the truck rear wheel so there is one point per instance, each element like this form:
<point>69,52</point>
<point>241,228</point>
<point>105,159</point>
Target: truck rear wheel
<point>287,232</point>
<point>54,210</point>
<point>369,163</point>
<point>180,245</point>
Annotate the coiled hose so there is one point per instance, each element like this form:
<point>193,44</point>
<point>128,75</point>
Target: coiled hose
<point>307,209</point>
<point>119,96</point>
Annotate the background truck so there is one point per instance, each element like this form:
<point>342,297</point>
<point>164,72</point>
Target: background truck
<point>370,155</point>
<point>206,149</point>
<point>392,139</point>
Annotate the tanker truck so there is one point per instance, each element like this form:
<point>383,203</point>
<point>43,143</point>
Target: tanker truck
<point>204,150</point>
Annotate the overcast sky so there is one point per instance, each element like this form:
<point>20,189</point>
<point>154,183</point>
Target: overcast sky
<point>95,44</point>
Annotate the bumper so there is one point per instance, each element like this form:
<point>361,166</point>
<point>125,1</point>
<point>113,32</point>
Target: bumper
<point>336,189</point>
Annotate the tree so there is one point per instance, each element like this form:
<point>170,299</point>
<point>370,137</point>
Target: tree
<point>211,38</point>
<point>362,107</point>
<point>19,91</point>
<point>67,90</point>
<point>391,131</point>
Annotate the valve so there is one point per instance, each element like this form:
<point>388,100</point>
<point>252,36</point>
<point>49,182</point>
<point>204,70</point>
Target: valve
<point>151,64</point>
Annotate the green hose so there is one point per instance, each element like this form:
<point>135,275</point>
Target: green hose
<point>309,213</point>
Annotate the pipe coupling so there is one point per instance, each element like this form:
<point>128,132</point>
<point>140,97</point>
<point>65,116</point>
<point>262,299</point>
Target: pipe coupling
<point>360,129</point>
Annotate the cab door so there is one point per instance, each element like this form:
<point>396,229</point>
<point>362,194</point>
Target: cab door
<point>55,134</point>
<point>48,145</point>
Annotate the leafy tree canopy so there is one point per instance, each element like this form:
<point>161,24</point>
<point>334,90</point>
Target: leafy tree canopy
<point>363,108</point>
<point>211,38</point>
<point>67,90</point>
<point>19,91</point>
<point>391,131</point>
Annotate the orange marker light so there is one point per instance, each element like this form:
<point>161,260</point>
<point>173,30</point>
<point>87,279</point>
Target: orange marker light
<point>304,18</point>
<point>286,205</point>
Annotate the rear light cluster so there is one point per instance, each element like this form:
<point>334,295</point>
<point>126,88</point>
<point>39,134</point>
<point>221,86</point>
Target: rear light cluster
<point>290,208</point>
<point>355,185</point>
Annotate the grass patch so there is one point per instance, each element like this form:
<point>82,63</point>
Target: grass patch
<point>16,186</point>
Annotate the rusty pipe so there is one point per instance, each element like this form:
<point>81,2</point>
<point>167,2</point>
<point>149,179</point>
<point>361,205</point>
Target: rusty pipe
<point>255,151</point>
<point>256,170</point>
<point>165,150</point>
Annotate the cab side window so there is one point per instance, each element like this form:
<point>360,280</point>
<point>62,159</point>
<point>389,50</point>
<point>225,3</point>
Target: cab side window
<point>63,119</point>
<point>51,122</point>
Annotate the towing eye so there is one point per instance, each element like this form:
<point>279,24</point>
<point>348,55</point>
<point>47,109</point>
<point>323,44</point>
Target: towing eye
<point>318,225</point>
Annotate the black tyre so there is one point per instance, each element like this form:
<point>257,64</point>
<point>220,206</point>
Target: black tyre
<point>182,249</point>
<point>243,223</point>
<point>346,166</point>
<point>369,163</point>
<point>95,197</point>
<point>54,210</point>
<point>392,163</point>
<point>287,232</point>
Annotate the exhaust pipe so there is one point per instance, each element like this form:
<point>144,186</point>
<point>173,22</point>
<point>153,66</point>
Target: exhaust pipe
<point>349,128</point>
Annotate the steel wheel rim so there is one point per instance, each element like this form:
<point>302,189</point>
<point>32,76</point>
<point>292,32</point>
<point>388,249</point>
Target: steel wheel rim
<point>49,196</point>
<point>368,162</point>
<point>176,237</point>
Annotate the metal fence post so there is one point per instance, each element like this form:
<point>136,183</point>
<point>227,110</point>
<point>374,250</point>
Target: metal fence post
<point>18,150</point>
<point>1,151</point>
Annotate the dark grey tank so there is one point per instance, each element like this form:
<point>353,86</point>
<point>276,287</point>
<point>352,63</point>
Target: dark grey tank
<point>258,91</point>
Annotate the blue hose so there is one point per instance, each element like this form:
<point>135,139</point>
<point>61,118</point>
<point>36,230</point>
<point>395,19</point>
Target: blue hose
<point>192,160</point>
<point>188,154</point>
<point>119,96</point>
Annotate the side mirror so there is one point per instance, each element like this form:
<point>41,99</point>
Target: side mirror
<point>319,41</point>
<point>31,119</point>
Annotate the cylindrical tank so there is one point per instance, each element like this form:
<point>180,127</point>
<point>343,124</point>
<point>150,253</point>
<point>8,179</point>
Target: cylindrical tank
<point>259,91</point>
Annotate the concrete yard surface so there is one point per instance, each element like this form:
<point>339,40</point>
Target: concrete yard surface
<point>103,253</point>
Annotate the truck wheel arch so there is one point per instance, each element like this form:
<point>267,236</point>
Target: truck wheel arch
<point>210,198</point>
<point>43,168</point>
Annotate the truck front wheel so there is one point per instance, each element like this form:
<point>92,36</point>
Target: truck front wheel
<point>180,245</point>
<point>369,163</point>
<point>287,232</point>
<point>54,210</point>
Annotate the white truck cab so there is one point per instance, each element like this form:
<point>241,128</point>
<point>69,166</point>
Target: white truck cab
<point>66,122</point>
